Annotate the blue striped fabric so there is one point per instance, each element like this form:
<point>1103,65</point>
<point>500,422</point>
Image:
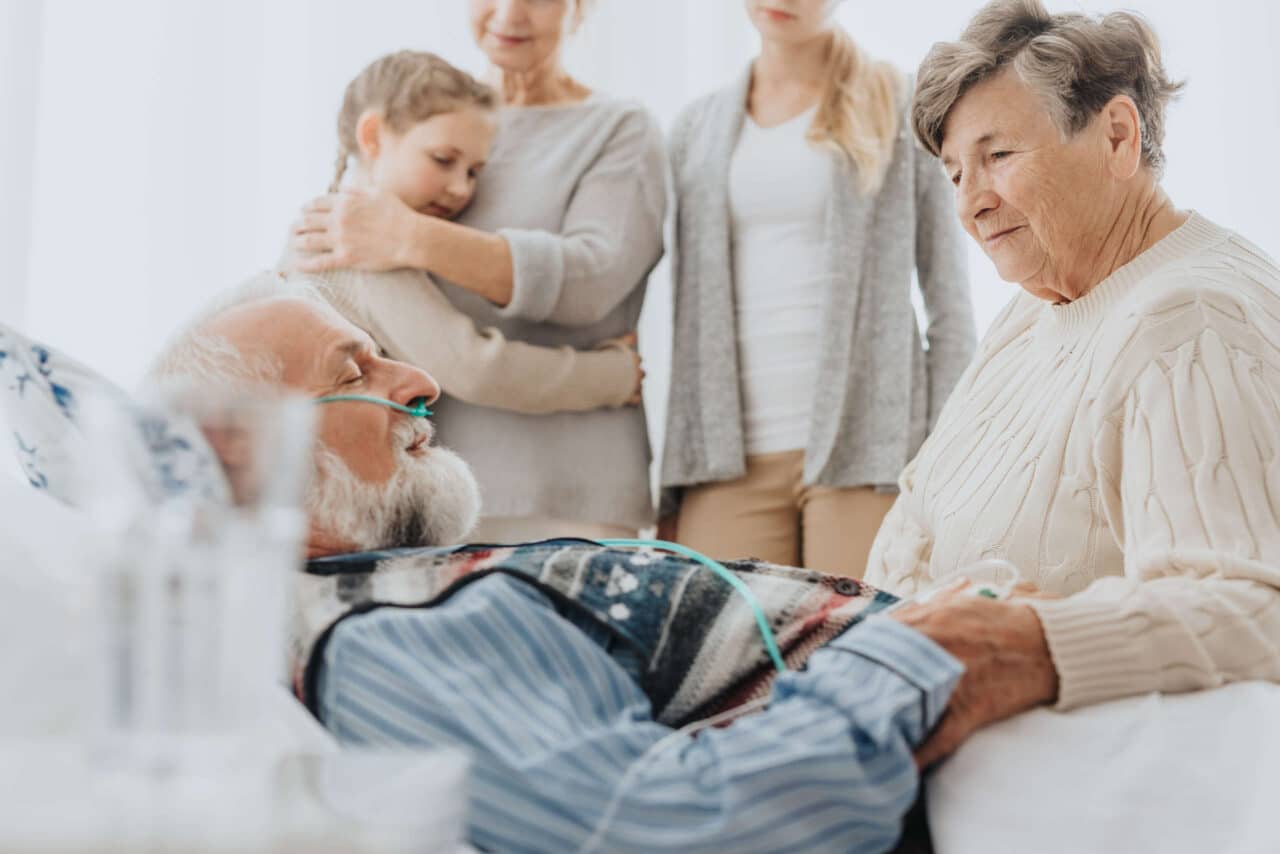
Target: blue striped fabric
<point>566,751</point>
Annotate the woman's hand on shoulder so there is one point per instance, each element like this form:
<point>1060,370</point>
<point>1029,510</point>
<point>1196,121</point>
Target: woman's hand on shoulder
<point>352,229</point>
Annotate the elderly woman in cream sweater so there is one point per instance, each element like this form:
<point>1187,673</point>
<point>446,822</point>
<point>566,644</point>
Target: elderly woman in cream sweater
<point>1115,439</point>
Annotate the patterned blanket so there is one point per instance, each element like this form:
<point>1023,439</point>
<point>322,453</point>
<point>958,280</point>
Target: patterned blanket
<point>696,638</point>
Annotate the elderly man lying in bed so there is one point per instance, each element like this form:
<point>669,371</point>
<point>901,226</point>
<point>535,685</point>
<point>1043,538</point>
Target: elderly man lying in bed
<point>1115,439</point>
<point>567,669</point>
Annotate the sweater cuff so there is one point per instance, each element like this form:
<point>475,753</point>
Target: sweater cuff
<point>1097,651</point>
<point>619,377</point>
<point>537,273</point>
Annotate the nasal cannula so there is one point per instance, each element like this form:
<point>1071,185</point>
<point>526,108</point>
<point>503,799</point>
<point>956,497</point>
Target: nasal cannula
<point>419,409</point>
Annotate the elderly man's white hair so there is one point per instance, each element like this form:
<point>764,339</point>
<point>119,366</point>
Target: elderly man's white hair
<point>195,357</point>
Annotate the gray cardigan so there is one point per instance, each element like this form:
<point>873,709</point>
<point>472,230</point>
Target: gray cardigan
<point>879,391</point>
<point>579,193</point>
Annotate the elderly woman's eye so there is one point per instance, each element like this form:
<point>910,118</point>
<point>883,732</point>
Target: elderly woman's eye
<point>353,380</point>
<point>1000,155</point>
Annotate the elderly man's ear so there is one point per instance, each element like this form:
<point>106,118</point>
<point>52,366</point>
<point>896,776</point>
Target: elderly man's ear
<point>1122,126</point>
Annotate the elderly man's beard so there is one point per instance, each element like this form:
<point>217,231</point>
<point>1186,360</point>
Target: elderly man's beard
<point>431,500</point>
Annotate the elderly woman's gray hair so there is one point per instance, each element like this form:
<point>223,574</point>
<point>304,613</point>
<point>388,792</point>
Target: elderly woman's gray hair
<point>1077,62</point>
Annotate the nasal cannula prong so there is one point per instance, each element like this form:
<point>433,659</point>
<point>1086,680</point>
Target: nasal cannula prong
<point>419,410</point>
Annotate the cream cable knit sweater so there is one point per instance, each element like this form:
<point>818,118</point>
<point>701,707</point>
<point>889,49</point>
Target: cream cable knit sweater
<point>1121,451</point>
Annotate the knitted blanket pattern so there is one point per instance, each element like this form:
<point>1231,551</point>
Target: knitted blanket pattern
<point>696,638</point>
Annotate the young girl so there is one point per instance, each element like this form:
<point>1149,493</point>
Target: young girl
<point>414,126</point>
<point>799,386</point>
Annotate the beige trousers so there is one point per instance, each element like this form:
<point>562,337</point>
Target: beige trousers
<point>528,529</point>
<point>770,514</point>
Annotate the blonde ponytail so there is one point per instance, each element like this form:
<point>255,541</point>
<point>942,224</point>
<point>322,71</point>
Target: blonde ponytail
<point>339,168</point>
<point>858,111</point>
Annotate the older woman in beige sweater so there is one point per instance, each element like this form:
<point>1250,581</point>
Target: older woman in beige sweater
<point>1115,439</point>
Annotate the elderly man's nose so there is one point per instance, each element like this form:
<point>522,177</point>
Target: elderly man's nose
<point>415,383</point>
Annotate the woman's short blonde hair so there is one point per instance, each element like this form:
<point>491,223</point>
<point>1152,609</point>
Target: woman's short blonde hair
<point>1077,62</point>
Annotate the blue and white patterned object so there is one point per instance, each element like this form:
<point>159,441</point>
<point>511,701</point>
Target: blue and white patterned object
<point>42,393</point>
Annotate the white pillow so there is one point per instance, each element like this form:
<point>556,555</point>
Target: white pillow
<point>43,396</point>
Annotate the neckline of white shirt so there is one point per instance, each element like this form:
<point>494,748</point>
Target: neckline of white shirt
<point>807,114</point>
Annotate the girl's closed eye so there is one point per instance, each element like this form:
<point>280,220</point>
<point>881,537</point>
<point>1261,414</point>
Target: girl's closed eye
<point>415,125</point>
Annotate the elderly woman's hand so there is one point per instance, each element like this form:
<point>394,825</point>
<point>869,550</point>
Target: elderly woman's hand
<point>1007,668</point>
<point>353,229</point>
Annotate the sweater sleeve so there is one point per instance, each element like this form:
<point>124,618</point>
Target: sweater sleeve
<point>1190,484</point>
<point>412,320</point>
<point>610,239</point>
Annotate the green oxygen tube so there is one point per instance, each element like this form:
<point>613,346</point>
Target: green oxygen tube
<point>770,643</point>
<point>418,410</point>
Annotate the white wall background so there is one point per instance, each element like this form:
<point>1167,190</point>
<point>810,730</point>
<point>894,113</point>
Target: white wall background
<point>154,151</point>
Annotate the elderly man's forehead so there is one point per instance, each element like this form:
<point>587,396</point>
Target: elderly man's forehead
<point>299,331</point>
<point>285,313</point>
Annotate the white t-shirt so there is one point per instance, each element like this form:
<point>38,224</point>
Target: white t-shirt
<point>779,186</point>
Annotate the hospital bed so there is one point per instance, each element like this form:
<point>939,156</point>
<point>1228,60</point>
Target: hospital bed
<point>1170,774</point>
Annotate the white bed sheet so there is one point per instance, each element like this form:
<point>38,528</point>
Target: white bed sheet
<point>1188,773</point>
<point>46,556</point>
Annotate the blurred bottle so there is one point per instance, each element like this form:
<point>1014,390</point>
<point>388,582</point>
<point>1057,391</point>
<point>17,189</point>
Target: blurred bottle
<point>199,497</point>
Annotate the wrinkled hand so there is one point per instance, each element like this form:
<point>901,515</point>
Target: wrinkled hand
<point>353,229</point>
<point>1006,659</point>
<point>629,342</point>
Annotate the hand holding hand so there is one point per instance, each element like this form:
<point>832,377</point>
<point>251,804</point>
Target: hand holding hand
<point>1005,655</point>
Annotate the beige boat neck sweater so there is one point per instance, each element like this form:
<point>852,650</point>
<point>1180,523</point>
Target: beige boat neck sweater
<point>406,313</point>
<point>1122,452</point>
